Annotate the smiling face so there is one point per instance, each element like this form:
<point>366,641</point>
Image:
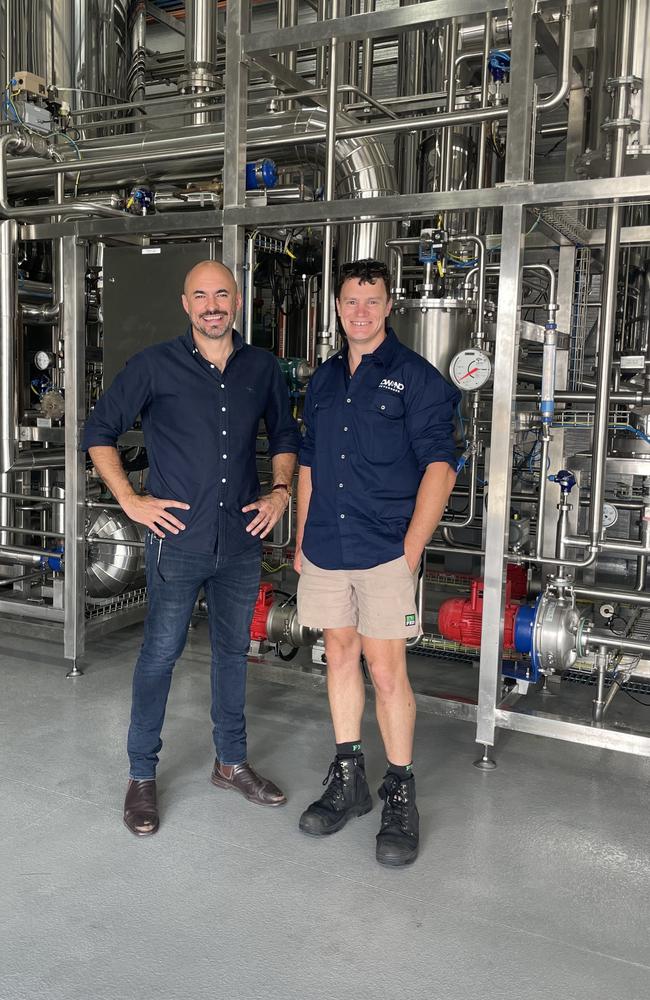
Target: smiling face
<point>211,300</point>
<point>363,307</point>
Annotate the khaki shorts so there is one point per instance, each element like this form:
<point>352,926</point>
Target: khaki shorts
<point>378,602</point>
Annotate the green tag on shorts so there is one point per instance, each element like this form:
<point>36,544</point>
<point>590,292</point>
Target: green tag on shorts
<point>409,619</point>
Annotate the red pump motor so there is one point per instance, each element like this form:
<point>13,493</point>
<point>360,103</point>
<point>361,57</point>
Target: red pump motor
<point>460,618</point>
<point>261,612</point>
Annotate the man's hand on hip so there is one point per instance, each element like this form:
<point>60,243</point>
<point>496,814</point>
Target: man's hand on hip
<point>154,513</point>
<point>270,509</point>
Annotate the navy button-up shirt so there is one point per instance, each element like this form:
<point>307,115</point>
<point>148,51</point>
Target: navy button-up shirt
<point>369,440</point>
<point>200,427</point>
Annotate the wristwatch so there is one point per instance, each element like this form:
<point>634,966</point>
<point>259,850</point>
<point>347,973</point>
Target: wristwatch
<point>282,486</point>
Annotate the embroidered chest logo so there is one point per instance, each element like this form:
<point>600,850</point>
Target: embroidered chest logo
<point>389,383</point>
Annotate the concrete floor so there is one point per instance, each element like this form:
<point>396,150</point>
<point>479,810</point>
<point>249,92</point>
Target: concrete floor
<point>533,880</point>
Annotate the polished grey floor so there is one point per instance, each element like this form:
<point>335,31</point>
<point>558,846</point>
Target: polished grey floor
<point>533,880</point>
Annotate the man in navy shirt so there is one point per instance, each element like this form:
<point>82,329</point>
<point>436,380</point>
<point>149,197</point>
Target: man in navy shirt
<point>376,469</point>
<point>200,398</point>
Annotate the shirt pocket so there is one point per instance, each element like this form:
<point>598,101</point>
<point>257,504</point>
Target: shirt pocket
<point>386,438</point>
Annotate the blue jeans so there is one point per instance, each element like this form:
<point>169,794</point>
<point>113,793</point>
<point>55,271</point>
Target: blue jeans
<point>174,579</point>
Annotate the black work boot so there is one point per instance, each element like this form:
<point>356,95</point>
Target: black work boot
<point>397,840</point>
<point>347,795</point>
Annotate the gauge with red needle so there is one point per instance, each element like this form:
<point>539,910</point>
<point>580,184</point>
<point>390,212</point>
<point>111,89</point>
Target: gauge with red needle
<point>470,369</point>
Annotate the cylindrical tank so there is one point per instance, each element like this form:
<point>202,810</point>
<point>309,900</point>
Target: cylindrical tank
<point>435,328</point>
<point>463,172</point>
<point>78,46</point>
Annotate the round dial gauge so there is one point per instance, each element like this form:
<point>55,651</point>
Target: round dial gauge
<point>43,360</point>
<point>470,369</point>
<point>610,515</point>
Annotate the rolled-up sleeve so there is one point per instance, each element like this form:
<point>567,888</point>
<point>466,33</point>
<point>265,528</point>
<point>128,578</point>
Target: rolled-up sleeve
<point>430,418</point>
<point>306,456</point>
<point>117,409</point>
<point>282,429</point>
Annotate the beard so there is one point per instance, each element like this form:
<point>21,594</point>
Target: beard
<point>213,333</point>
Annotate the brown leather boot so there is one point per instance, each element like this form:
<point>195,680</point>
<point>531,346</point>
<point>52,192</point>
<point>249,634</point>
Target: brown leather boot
<point>243,779</point>
<point>140,808</point>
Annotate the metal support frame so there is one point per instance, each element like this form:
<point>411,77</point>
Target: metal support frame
<point>505,362</point>
<point>514,196</point>
<point>74,339</point>
<point>234,159</point>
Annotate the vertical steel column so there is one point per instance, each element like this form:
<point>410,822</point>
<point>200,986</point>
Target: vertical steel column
<point>74,339</point>
<point>234,157</point>
<point>325,336</point>
<point>520,116</point>
<point>8,390</point>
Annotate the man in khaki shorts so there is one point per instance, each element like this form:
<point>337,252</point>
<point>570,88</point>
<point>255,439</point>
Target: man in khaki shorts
<point>376,469</point>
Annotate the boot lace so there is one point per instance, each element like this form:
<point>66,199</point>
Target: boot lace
<point>395,814</point>
<point>333,795</point>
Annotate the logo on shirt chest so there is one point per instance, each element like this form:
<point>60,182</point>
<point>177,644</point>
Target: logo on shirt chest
<point>392,385</point>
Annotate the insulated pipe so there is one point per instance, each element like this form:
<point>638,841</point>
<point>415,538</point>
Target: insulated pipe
<point>22,555</point>
<point>10,143</point>
<point>46,458</point>
<point>137,69</point>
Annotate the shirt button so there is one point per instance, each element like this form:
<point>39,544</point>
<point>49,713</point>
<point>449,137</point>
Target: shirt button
<point>223,409</point>
<point>340,486</point>
<point>222,386</point>
<point>345,428</point>
<point>211,366</point>
<point>348,400</point>
<point>223,480</point>
<point>221,503</point>
<point>223,432</point>
<point>382,407</point>
<point>224,456</point>
<point>342,456</point>
<point>342,516</point>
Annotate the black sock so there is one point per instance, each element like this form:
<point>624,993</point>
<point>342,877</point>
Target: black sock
<point>402,771</point>
<point>349,749</point>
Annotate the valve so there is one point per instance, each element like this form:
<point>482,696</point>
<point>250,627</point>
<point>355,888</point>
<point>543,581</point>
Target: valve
<point>499,64</point>
<point>565,480</point>
<point>140,200</point>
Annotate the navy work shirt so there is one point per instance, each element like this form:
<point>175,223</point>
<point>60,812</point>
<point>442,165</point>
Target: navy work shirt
<point>200,427</point>
<point>369,440</point>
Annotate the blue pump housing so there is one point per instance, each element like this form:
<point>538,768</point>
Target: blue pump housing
<point>261,174</point>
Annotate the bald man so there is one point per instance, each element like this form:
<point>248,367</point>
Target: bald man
<point>200,398</point>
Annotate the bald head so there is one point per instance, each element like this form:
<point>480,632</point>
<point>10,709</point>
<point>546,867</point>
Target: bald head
<point>209,270</point>
<point>211,300</point>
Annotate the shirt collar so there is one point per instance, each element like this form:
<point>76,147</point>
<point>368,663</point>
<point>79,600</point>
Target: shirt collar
<point>382,355</point>
<point>188,341</point>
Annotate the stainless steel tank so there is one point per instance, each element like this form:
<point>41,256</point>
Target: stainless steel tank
<point>79,46</point>
<point>435,328</point>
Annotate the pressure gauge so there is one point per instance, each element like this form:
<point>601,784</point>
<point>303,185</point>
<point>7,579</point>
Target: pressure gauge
<point>43,360</point>
<point>610,515</point>
<point>470,369</point>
